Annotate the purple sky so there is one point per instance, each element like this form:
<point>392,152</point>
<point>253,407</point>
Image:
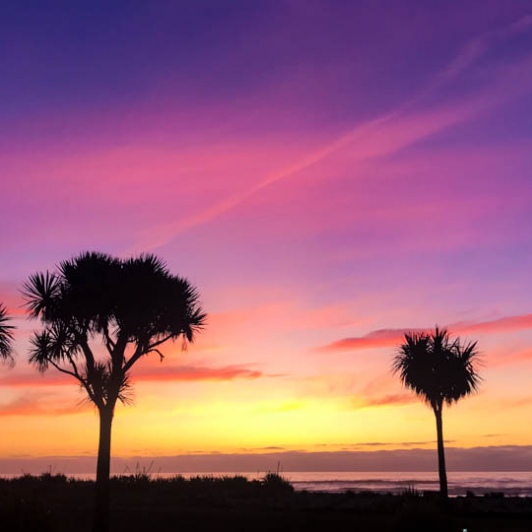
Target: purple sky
<point>327,173</point>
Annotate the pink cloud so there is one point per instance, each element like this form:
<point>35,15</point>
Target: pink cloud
<point>392,337</point>
<point>508,324</point>
<point>39,405</point>
<point>374,339</point>
<point>390,399</point>
<point>51,378</point>
<point>192,373</point>
<point>501,357</point>
<point>143,372</point>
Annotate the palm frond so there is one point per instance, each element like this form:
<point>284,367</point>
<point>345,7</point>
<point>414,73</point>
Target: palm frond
<point>40,292</point>
<point>6,337</point>
<point>40,347</point>
<point>463,377</point>
<point>126,394</point>
<point>55,344</point>
<point>147,264</point>
<point>105,385</point>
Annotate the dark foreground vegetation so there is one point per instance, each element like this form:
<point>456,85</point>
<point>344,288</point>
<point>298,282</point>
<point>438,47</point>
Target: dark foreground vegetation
<point>55,503</point>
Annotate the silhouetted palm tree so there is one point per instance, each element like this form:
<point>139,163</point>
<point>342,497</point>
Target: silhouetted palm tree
<point>133,305</point>
<point>440,370</point>
<point>6,337</point>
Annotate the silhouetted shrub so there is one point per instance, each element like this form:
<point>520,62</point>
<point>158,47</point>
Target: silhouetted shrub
<point>274,483</point>
<point>57,478</point>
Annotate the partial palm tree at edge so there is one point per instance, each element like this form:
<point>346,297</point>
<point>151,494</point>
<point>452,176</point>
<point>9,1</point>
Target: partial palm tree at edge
<point>440,370</point>
<point>6,337</point>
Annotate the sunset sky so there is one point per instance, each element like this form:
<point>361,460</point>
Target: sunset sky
<point>328,174</point>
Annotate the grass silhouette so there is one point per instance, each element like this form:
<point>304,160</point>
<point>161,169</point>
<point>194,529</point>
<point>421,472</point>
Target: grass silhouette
<point>56,503</point>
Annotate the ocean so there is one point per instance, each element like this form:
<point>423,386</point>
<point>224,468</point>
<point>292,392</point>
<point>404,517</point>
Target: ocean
<point>459,483</point>
<point>511,483</point>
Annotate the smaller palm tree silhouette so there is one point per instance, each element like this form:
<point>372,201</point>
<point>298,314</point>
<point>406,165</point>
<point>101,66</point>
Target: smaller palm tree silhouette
<point>6,337</point>
<point>440,370</point>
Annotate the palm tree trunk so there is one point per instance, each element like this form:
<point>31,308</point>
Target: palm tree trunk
<point>102,500</point>
<point>441,453</point>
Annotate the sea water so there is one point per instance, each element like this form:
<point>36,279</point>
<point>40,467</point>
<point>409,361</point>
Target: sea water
<point>517,484</point>
<point>459,483</point>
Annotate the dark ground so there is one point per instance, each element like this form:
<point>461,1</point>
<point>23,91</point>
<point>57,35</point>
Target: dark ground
<point>53,503</point>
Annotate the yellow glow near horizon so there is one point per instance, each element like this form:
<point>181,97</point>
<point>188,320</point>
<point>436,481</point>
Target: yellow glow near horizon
<point>364,409</point>
<point>235,427</point>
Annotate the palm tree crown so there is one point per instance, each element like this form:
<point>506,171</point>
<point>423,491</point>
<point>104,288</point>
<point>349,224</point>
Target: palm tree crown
<point>135,305</point>
<point>436,367</point>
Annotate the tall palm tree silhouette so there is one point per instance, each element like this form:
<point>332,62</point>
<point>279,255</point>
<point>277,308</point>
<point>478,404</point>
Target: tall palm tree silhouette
<point>440,370</point>
<point>6,337</point>
<point>132,306</point>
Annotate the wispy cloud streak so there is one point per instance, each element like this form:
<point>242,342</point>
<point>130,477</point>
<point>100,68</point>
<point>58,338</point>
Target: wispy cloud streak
<point>391,337</point>
<point>34,404</point>
<point>150,373</point>
<point>389,132</point>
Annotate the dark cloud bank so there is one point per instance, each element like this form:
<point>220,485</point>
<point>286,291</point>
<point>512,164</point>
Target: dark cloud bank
<point>494,458</point>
